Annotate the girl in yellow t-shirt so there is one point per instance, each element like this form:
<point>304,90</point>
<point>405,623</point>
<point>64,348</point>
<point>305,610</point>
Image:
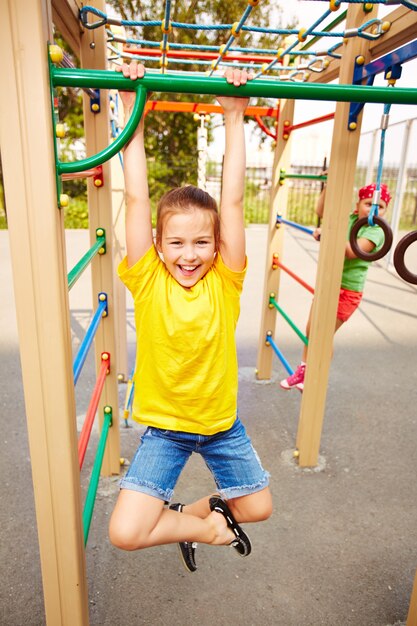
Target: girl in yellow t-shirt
<point>186,289</point>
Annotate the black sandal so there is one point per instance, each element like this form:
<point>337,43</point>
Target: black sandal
<point>242,542</point>
<point>186,548</point>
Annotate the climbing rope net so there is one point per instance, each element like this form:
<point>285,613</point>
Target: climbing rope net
<point>296,60</point>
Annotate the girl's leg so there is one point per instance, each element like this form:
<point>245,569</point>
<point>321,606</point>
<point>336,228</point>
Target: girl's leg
<point>255,507</point>
<point>141,521</point>
<point>339,323</point>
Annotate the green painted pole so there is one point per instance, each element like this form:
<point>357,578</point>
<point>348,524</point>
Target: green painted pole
<point>95,474</point>
<point>303,338</point>
<point>78,269</point>
<point>186,82</point>
<point>305,176</point>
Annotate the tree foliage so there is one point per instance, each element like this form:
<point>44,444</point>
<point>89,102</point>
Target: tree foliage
<point>171,138</point>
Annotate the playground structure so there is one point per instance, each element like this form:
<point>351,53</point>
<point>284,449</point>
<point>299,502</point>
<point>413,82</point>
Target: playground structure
<point>37,243</point>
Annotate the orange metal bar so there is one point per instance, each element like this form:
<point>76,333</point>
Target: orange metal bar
<point>202,108</point>
<point>92,407</point>
<point>264,128</point>
<point>277,263</point>
<point>316,120</point>
<point>209,56</point>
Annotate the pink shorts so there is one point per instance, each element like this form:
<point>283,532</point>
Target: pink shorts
<point>348,303</point>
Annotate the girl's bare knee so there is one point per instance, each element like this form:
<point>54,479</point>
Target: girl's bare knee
<point>123,537</point>
<point>256,507</point>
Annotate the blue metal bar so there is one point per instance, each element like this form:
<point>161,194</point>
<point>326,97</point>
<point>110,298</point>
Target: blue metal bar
<point>279,354</point>
<point>305,229</point>
<point>89,336</point>
<point>396,57</point>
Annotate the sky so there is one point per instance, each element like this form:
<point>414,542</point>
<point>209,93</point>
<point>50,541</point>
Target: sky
<point>314,143</point>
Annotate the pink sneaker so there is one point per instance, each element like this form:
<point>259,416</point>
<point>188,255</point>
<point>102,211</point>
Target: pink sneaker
<point>296,379</point>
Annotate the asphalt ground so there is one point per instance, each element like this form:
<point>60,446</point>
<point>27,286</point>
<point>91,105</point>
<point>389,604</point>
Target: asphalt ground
<point>341,546</point>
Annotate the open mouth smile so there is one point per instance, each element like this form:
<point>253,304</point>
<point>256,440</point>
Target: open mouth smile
<point>188,270</point>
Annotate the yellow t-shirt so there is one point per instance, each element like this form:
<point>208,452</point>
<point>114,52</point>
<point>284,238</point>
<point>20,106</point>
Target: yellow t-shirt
<point>186,363</point>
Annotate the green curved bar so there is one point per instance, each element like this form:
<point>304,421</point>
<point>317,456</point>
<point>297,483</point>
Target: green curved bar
<point>185,82</point>
<point>116,145</point>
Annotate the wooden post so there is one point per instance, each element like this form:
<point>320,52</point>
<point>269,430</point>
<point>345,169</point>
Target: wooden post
<point>278,204</point>
<point>412,611</point>
<point>119,251</point>
<point>338,203</point>
<point>39,273</point>
<point>97,133</point>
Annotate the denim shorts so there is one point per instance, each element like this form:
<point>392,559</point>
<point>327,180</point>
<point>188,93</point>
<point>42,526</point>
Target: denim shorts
<point>229,455</point>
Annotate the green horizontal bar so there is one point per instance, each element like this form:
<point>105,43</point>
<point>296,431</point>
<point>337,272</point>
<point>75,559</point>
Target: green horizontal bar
<point>95,475</point>
<point>305,176</point>
<point>78,269</point>
<point>186,82</point>
<point>303,338</point>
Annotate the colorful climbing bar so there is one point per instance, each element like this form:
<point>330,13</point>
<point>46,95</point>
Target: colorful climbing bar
<point>89,336</point>
<point>274,303</point>
<point>277,263</point>
<point>95,474</point>
<point>182,82</point>
<point>204,108</point>
<point>202,84</point>
<point>283,175</point>
<point>92,407</point>
<point>281,220</point>
<point>315,120</point>
<point>129,397</point>
<point>198,54</point>
<point>94,171</point>
<point>270,342</point>
<point>98,248</point>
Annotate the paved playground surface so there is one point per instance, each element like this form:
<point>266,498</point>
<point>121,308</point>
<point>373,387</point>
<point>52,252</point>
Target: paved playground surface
<point>341,546</point>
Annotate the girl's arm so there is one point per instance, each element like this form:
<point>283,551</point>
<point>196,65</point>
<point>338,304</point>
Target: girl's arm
<point>139,236</point>
<point>232,222</point>
<point>366,245</point>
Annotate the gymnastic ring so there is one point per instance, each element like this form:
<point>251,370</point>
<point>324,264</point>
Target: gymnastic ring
<point>370,256</point>
<point>399,253</point>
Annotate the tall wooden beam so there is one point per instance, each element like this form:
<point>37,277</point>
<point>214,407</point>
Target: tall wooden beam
<point>65,17</point>
<point>338,204</point>
<point>39,273</point>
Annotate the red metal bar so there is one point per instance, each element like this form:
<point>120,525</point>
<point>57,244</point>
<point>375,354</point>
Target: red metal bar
<point>264,128</point>
<point>205,56</point>
<point>92,407</point>
<point>202,108</point>
<point>277,263</point>
<point>316,120</point>
<point>95,172</point>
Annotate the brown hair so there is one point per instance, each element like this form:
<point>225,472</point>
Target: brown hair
<point>182,200</point>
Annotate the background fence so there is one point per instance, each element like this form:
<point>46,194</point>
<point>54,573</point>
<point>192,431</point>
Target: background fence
<point>302,197</point>
<point>303,194</point>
